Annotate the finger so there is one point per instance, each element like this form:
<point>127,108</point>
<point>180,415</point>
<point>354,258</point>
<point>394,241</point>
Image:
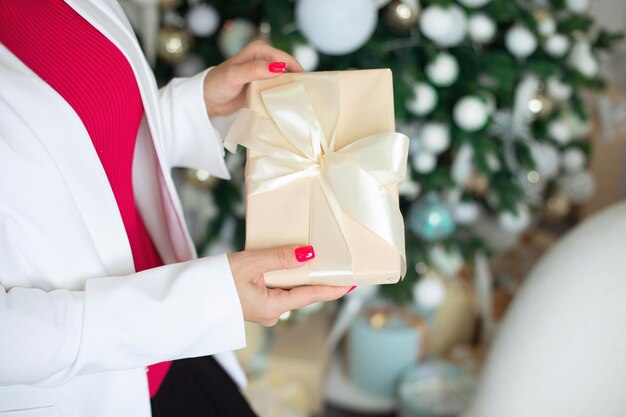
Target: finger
<point>241,74</point>
<point>275,259</point>
<point>299,297</point>
<point>260,50</point>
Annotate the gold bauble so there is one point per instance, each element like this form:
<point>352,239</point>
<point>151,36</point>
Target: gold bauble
<point>477,184</point>
<point>174,43</point>
<point>169,4</point>
<point>557,207</point>
<point>402,15</point>
<point>541,105</point>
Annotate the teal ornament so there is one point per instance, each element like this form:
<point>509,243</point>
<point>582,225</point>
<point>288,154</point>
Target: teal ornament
<point>431,219</point>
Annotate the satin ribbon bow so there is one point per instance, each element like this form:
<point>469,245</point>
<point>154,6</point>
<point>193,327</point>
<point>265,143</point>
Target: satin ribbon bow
<point>292,146</point>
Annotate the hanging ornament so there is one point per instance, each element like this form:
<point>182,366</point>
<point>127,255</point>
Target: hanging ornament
<point>477,184</point>
<point>169,4</point>
<point>520,41</point>
<point>448,262</point>
<point>579,187</point>
<point>515,222</point>
<point>577,6</point>
<point>557,206</point>
<point>424,162</point>
<point>336,27</point>
<point>424,101</point>
<point>579,128</point>
<point>560,131</point>
<point>235,34</point>
<point>465,212</point>
<point>265,32</point>
<point>444,26</point>
<point>546,159</point>
<point>402,15</point>
<point>429,292</point>
<point>481,28</point>
<point>582,59</point>
<point>541,105</point>
<point>546,26</point>
<point>435,137</point>
<point>203,20</point>
<point>532,185</point>
<point>558,90</point>
<point>470,113</point>
<point>189,66</point>
<point>307,56</point>
<point>430,218</point>
<point>462,165</point>
<point>556,45</point>
<point>474,3</point>
<point>409,189</point>
<point>573,160</point>
<point>443,71</point>
<point>173,44</point>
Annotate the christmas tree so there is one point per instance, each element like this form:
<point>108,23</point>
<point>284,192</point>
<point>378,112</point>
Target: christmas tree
<point>490,93</point>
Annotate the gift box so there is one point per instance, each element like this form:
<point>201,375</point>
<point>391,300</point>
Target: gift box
<point>323,165</point>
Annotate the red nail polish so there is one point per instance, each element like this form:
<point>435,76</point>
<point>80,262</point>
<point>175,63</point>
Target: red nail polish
<point>304,253</point>
<point>277,67</point>
<point>351,289</point>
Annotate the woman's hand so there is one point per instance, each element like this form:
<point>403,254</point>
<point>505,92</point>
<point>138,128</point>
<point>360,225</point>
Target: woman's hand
<point>225,85</point>
<point>264,305</point>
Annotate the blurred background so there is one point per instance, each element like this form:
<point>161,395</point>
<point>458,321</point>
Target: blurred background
<point>516,111</point>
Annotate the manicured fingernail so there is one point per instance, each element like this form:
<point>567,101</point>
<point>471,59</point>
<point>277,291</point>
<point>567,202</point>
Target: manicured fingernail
<point>351,289</point>
<point>305,253</point>
<point>277,67</point>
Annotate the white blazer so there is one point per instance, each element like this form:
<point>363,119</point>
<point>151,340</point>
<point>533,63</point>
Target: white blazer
<point>78,326</point>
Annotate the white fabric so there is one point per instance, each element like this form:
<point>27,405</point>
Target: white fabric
<point>561,349</point>
<point>77,324</point>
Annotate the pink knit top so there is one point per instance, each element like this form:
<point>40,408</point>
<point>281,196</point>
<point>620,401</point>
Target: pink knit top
<point>96,79</point>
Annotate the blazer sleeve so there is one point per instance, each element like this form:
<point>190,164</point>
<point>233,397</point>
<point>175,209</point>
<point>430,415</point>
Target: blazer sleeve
<point>191,140</point>
<point>175,311</point>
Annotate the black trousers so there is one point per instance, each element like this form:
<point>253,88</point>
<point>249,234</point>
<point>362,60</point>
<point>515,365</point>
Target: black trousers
<point>199,387</point>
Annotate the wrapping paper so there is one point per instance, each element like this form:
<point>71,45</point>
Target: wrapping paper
<point>322,168</point>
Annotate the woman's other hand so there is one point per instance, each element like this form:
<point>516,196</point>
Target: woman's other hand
<point>225,85</point>
<point>264,305</point>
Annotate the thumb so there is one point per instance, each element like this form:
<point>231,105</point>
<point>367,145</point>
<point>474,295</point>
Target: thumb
<point>256,70</point>
<point>285,257</point>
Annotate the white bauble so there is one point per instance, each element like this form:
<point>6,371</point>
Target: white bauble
<point>424,162</point>
<point>558,90</point>
<point>515,222</point>
<point>424,101</point>
<point>409,189</point>
<point>556,45</point>
<point>203,20</point>
<point>546,158</point>
<point>429,292</point>
<point>474,3</point>
<point>582,59</point>
<point>235,34</point>
<point>444,26</point>
<point>481,28</point>
<point>578,187</point>
<point>546,25</point>
<point>520,41</point>
<point>448,262</point>
<point>306,56</point>
<point>444,70</point>
<point>577,6</point>
<point>189,66</point>
<point>578,127</point>
<point>465,212</point>
<point>435,137</point>
<point>560,131</point>
<point>470,113</point>
<point>573,160</point>
<point>497,238</point>
<point>337,27</point>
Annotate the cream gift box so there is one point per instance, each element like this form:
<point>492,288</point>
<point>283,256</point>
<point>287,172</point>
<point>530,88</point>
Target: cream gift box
<point>323,166</point>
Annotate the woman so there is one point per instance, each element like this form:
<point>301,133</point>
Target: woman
<point>98,273</point>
